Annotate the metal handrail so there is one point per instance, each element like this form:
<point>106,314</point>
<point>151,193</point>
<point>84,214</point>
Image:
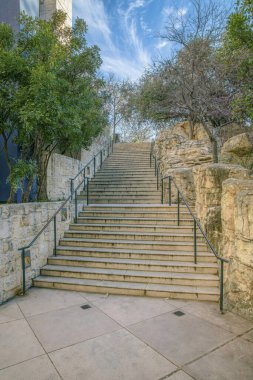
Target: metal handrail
<point>196,224</point>
<point>53,217</point>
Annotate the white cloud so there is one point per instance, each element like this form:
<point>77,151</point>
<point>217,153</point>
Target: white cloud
<point>93,12</point>
<point>122,67</point>
<point>145,26</point>
<point>182,11</point>
<point>128,60</point>
<point>162,44</point>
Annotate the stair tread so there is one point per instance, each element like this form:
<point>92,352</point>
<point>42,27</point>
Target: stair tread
<point>148,205</point>
<point>133,261</point>
<point>138,242</point>
<point>133,212</point>
<point>130,225</point>
<point>131,251</point>
<point>132,272</point>
<point>129,285</point>
<point>132,218</point>
<point>99,232</point>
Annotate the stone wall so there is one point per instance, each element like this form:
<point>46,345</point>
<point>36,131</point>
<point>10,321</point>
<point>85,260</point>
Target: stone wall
<point>237,245</point>
<point>59,171</point>
<point>19,224</point>
<point>239,150</point>
<point>62,168</point>
<point>208,181</point>
<point>178,154</point>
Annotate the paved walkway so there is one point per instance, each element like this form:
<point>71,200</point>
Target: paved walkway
<point>51,334</point>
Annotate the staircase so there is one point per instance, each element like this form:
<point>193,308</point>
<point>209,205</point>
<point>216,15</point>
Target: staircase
<point>126,242</point>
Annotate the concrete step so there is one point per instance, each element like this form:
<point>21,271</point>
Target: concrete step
<point>128,167</point>
<point>138,254</point>
<point>130,175</point>
<point>135,264</point>
<point>168,278</point>
<point>188,230</point>
<point>123,187</point>
<point>122,181</point>
<point>113,200</point>
<point>125,166</point>
<point>132,220</point>
<point>143,207</point>
<point>119,201</point>
<point>101,192</point>
<point>126,235</point>
<point>132,244</point>
<point>137,289</point>
<point>134,214</point>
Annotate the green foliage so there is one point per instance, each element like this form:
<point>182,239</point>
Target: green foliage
<point>237,56</point>
<point>22,171</point>
<point>50,92</point>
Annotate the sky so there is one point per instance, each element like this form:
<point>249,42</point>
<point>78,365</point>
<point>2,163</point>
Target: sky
<point>127,31</point>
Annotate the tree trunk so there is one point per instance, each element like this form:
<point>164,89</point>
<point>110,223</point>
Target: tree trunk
<point>25,197</point>
<point>42,178</point>
<point>191,136</point>
<point>8,162</point>
<point>214,142</point>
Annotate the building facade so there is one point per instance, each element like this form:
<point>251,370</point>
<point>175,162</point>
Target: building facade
<point>48,7</point>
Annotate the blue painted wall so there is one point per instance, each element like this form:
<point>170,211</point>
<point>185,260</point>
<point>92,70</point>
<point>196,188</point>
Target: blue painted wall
<point>9,13</point>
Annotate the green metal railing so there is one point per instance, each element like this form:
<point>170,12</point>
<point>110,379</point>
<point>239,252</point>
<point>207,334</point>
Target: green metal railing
<point>196,223</point>
<point>73,194</point>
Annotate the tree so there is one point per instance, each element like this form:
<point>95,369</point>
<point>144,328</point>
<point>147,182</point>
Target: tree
<point>116,101</point>
<point>236,54</point>
<point>56,103</point>
<point>190,84</point>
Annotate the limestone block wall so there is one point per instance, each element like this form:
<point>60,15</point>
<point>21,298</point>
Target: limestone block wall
<point>19,224</point>
<point>178,154</point>
<point>237,244</point>
<point>208,179</point>
<point>239,150</point>
<point>62,168</point>
<point>185,181</point>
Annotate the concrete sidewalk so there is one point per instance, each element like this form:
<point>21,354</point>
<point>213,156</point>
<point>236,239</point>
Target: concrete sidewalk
<point>52,334</point>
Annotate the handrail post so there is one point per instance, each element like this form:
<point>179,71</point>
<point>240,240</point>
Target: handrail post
<point>84,179</point>
<point>169,190</point>
<point>23,272</point>
<point>155,166</point>
<point>75,206</point>
<point>150,158</point>
<point>87,194</point>
<point>112,143</point>
<point>101,158</point>
<point>94,164</point>
<point>221,285</point>
<point>178,208</point>
<point>55,243</point>
<point>157,178</point>
<point>195,242</point>
<point>162,190</point>
<point>71,187</point>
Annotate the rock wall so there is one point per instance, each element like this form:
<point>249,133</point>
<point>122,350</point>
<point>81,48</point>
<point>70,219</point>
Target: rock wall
<point>175,151</point>
<point>19,224</point>
<point>239,150</point>
<point>208,181</point>
<point>178,154</point>
<point>237,245</point>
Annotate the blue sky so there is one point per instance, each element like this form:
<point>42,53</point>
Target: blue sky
<point>126,31</point>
